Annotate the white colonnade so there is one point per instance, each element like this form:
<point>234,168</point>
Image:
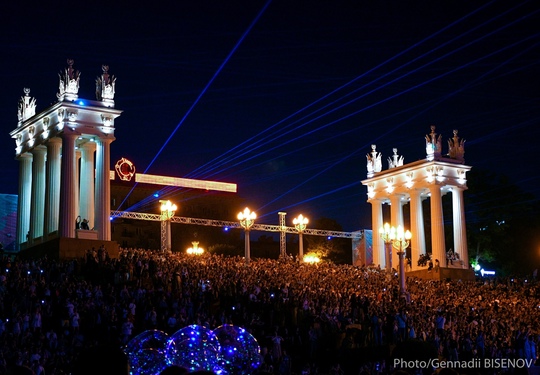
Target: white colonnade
<point>64,155</point>
<point>424,180</point>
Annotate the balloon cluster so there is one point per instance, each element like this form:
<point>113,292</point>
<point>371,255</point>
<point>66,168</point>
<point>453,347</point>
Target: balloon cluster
<point>225,350</point>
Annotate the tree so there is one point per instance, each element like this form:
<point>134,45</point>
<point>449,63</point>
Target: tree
<point>337,250</point>
<point>501,222</point>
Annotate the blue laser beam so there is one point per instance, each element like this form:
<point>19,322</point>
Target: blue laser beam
<point>251,25</point>
<point>470,84</point>
<point>394,128</point>
<point>392,96</point>
<point>197,171</point>
<point>256,145</point>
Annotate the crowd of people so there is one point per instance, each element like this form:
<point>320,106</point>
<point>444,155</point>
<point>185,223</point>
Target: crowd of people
<point>307,318</point>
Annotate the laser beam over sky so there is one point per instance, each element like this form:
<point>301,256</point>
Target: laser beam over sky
<point>295,139</point>
<point>203,92</point>
<point>284,98</point>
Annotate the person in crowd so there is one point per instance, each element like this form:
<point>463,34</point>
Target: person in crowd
<point>84,225</point>
<point>318,309</point>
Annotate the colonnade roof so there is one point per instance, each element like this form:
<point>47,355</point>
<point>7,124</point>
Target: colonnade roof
<point>420,176</point>
<point>88,119</point>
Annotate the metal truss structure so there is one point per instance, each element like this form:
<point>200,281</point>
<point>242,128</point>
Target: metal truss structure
<point>163,231</point>
<point>282,235</point>
<point>234,224</point>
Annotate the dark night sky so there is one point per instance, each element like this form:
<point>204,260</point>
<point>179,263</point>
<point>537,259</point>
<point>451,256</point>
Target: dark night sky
<point>296,98</point>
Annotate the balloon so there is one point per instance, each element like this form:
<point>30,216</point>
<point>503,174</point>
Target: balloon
<point>195,348</point>
<point>227,350</point>
<point>146,352</point>
<point>240,353</point>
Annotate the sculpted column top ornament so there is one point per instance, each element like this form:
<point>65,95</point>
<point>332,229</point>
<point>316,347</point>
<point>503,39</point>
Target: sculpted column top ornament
<point>433,145</point>
<point>69,83</point>
<point>27,107</point>
<point>456,148</point>
<point>396,160</point>
<point>374,161</point>
<point>105,85</point>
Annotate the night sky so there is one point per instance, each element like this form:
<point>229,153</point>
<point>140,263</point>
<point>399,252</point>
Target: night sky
<point>286,97</point>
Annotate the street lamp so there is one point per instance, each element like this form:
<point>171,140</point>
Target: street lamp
<point>300,223</point>
<point>385,233</point>
<point>400,241</point>
<point>247,219</point>
<point>312,259</point>
<point>195,249</point>
<point>167,212</point>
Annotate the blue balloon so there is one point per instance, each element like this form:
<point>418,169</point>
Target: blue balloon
<point>240,352</point>
<point>195,348</point>
<point>227,350</point>
<point>147,352</point>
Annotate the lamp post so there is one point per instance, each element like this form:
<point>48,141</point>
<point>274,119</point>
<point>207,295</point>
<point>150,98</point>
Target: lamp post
<point>247,219</point>
<point>385,232</point>
<point>195,249</point>
<point>300,223</point>
<point>167,212</point>
<point>400,241</point>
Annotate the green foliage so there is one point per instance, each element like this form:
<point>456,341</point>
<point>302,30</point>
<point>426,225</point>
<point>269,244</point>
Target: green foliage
<point>336,250</point>
<point>501,221</point>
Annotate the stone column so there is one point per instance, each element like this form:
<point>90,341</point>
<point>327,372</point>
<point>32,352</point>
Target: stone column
<point>77,182</point>
<point>438,250</point>
<point>87,190</point>
<point>24,198</point>
<point>396,219</point>
<point>103,189</point>
<point>376,223</point>
<point>68,196</point>
<point>418,240</point>
<point>37,205</point>
<point>52,186</point>
<point>460,231</point>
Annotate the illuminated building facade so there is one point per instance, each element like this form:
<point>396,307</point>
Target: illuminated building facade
<point>64,197</point>
<point>49,146</point>
<point>412,183</point>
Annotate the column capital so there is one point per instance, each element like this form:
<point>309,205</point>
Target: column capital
<point>416,190</point>
<point>398,199</point>
<point>26,155</point>
<point>90,146</point>
<point>105,140</point>
<point>54,140</point>
<point>41,149</point>
<point>69,135</point>
<point>434,187</point>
